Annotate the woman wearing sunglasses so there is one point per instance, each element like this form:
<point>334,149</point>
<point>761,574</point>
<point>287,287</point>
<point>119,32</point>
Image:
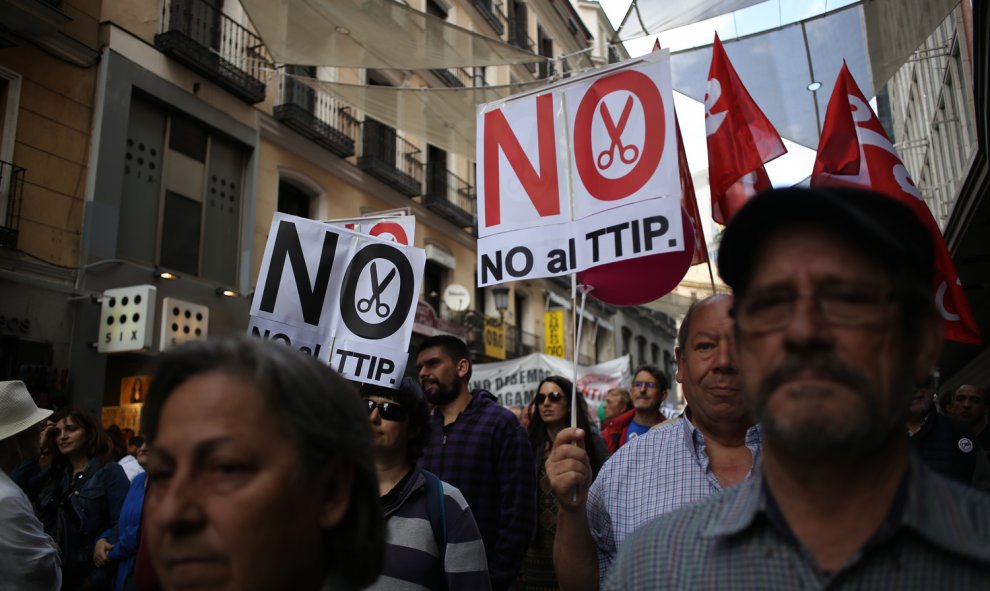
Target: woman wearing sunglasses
<point>423,515</point>
<point>552,413</point>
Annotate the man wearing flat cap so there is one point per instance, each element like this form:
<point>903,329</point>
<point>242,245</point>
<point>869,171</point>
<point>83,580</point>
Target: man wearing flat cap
<point>834,324</point>
<point>28,559</point>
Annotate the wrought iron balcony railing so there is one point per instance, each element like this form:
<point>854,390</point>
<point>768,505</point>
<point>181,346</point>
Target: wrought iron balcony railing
<point>316,115</point>
<point>199,35</point>
<point>449,195</point>
<point>11,197</point>
<point>390,158</point>
<point>491,14</point>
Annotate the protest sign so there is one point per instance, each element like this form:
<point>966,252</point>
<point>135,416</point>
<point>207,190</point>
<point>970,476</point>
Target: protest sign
<point>591,162</point>
<point>514,382</point>
<point>344,298</point>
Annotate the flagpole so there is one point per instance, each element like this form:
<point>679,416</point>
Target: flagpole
<point>711,276</point>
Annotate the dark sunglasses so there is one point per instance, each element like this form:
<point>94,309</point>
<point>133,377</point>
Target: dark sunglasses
<point>645,385</point>
<point>390,411</point>
<point>553,396</point>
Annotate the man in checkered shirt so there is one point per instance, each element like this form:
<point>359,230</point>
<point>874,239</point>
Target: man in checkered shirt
<point>681,461</point>
<point>834,323</point>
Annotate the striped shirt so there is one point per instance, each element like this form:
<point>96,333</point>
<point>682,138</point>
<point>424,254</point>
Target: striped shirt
<point>651,475</point>
<point>412,555</point>
<point>941,540</point>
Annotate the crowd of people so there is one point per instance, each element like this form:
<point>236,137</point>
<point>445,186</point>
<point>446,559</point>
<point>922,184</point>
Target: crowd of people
<point>813,451</point>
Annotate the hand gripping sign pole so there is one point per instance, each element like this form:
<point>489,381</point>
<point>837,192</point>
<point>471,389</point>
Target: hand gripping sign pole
<point>584,289</point>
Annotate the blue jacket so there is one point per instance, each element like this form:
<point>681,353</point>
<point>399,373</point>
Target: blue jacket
<point>125,535</point>
<point>96,504</point>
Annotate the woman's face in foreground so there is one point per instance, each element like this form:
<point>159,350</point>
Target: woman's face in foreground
<point>230,504</point>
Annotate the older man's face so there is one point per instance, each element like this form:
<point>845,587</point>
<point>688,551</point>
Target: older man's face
<point>707,367</point>
<point>969,404</point>
<point>820,351</point>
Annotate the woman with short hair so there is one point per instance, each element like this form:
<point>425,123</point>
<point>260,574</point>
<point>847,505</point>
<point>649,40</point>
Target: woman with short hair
<point>260,472</point>
<point>433,540</point>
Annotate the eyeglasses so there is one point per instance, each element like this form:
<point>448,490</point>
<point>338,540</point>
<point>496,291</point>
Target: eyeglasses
<point>839,303</point>
<point>554,397</point>
<point>390,411</point>
<point>644,385</point>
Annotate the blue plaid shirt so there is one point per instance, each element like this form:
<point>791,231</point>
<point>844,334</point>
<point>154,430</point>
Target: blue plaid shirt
<point>940,540</point>
<point>651,475</point>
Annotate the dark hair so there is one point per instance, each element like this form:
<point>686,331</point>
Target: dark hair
<point>118,449</point>
<point>97,444</point>
<point>662,382</point>
<point>685,330</point>
<point>410,396</point>
<point>539,437</point>
<point>451,346</point>
<point>322,415</point>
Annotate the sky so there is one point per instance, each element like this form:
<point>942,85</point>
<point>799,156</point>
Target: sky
<point>787,170</point>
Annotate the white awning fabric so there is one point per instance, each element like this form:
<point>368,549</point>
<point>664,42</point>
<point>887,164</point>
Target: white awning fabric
<point>646,17</point>
<point>874,39</point>
<point>372,34</point>
<point>444,117</point>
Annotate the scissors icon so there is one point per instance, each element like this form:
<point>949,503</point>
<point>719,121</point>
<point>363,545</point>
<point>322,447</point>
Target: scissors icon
<point>377,288</point>
<point>606,157</point>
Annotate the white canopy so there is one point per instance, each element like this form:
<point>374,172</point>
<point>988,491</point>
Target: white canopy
<point>372,34</point>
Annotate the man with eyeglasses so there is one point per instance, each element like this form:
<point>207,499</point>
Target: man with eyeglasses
<point>712,447</point>
<point>648,392</point>
<point>835,322</point>
<point>479,446</point>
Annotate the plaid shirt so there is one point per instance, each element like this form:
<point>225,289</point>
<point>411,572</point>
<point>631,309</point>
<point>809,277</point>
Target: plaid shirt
<point>486,454</point>
<point>940,540</point>
<point>651,475</point>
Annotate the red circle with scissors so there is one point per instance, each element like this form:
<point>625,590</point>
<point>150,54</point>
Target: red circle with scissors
<point>590,163</point>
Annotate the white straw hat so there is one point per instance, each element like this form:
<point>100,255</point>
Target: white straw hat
<point>17,409</point>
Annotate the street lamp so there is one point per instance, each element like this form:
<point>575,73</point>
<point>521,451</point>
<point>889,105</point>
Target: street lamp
<point>501,295</point>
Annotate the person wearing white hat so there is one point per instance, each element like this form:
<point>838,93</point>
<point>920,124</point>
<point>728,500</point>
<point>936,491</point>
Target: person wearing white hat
<point>28,558</point>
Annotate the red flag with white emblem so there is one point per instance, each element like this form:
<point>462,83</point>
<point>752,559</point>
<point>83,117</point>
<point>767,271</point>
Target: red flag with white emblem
<point>854,150</point>
<point>740,139</point>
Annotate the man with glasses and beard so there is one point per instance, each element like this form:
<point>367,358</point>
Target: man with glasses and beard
<point>479,447</point>
<point>835,323</point>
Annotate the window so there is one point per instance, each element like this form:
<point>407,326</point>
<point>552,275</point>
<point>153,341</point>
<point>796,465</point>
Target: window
<point>182,194</point>
<point>626,340</point>
<point>294,200</point>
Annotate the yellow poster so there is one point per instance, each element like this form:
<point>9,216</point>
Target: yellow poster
<point>495,340</point>
<point>553,328</point>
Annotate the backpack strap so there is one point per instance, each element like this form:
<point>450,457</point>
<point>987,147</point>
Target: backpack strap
<point>436,510</point>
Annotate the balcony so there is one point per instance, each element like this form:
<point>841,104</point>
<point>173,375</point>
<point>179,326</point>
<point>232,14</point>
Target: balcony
<point>390,158</point>
<point>317,116</point>
<point>449,195</point>
<point>490,14</point>
<point>198,35</point>
<point>519,37</point>
<point>11,197</point>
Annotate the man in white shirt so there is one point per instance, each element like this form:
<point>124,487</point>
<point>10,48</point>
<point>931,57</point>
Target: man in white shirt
<point>28,558</point>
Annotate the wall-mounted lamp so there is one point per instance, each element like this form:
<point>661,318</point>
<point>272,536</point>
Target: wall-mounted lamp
<point>227,293</point>
<point>167,275</point>
<point>501,295</point>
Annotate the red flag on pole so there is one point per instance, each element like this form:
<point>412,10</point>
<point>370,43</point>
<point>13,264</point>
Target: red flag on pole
<point>740,139</point>
<point>855,150</point>
<point>689,201</point>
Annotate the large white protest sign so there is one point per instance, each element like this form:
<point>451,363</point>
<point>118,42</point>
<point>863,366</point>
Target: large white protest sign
<point>345,298</point>
<point>591,162</point>
<point>514,382</point>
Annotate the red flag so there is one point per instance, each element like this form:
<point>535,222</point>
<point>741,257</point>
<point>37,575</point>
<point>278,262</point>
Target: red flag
<point>855,150</point>
<point>689,201</point>
<point>740,139</point>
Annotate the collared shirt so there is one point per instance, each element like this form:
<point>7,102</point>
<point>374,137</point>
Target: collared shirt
<point>28,559</point>
<point>654,474</point>
<point>941,540</point>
